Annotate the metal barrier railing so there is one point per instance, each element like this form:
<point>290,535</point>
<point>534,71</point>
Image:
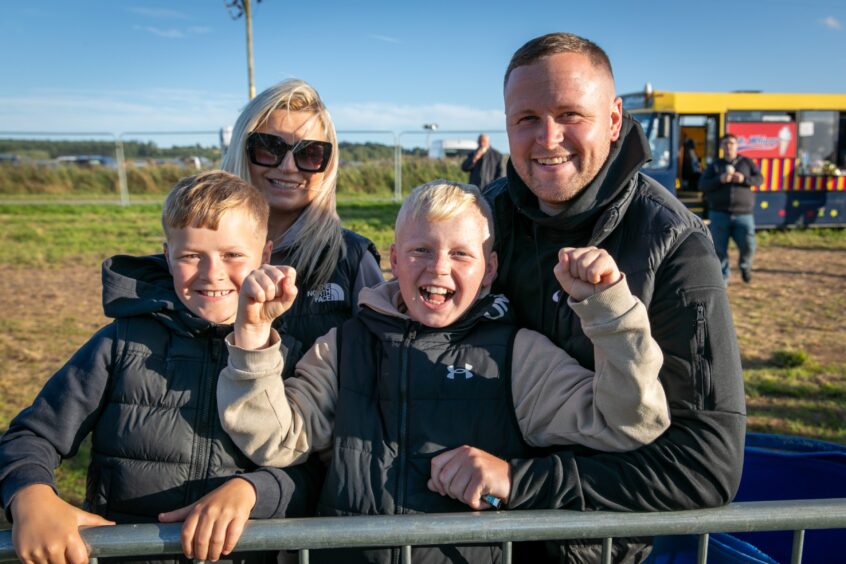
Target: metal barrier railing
<point>491,527</point>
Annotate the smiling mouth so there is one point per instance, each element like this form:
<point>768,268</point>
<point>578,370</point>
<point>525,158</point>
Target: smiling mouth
<point>435,295</point>
<point>215,293</point>
<point>551,161</point>
<point>285,184</point>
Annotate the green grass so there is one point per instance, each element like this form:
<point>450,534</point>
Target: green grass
<point>87,233</point>
<point>822,238</point>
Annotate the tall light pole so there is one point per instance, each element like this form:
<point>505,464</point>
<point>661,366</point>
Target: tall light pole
<point>238,8</point>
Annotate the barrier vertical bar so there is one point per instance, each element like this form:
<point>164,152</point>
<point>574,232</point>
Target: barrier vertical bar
<point>397,168</point>
<point>702,552</point>
<point>798,545</point>
<point>406,554</point>
<point>121,163</point>
<point>606,550</point>
<point>304,556</point>
<point>506,552</point>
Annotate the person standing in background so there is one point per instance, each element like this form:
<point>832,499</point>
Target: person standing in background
<point>485,164</point>
<point>727,185</point>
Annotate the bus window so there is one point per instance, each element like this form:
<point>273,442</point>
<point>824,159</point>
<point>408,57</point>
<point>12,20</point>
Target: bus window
<point>818,135</point>
<point>657,128</point>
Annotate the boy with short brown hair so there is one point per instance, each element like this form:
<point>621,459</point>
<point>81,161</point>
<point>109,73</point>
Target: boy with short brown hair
<point>144,388</point>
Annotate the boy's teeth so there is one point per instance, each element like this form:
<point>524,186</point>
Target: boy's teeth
<point>215,293</point>
<point>435,290</point>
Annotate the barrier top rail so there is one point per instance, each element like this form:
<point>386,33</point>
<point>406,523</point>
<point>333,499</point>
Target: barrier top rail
<point>335,532</point>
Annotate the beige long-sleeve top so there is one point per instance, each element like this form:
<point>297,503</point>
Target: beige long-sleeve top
<point>557,401</point>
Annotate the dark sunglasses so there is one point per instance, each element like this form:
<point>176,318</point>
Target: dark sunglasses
<point>270,150</point>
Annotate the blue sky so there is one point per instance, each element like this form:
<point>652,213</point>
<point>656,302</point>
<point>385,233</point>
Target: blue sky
<point>159,65</point>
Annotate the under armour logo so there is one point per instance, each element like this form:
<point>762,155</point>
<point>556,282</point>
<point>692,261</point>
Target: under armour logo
<point>466,371</point>
<point>498,308</point>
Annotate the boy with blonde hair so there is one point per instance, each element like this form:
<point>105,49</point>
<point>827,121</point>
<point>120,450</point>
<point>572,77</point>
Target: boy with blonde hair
<point>144,388</point>
<point>433,372</point>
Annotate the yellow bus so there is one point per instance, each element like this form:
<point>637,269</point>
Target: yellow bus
<point>798,141</point>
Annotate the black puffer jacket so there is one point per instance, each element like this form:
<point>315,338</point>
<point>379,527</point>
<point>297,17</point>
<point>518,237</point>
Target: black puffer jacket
<point>317,310</point>
<point>434,389</point>
<point>670,265</point>
<point>144,387</point>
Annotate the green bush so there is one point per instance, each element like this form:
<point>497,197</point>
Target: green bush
<point>789,358</point>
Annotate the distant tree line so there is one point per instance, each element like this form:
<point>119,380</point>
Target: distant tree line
<point>38,149</point>
<point>360,152</point>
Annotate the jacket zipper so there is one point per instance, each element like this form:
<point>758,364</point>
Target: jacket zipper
<point>408,339</point>
<point>205,427</point>
<point>700,353</point>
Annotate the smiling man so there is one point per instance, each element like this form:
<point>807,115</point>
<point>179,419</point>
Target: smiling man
<point>574,181</point>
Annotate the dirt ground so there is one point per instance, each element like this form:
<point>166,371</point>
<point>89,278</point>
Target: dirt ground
<point>796,300</point>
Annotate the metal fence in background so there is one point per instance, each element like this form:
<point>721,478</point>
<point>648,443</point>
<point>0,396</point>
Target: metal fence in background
<point>490,527</point>
<point>425,138</point>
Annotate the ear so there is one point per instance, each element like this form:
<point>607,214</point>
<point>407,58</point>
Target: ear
<point>265,255</point>
<point>167,257</point>
<point>491,266</point>
<point>394,259</point>
<point>616,118</point>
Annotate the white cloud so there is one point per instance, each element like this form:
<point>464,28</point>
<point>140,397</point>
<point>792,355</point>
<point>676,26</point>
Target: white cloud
<point>174,33</point>
<point>375,115</point>
<point>119,111</point>
<point>170,33</point>
<point>175,110</point>
<point>162,14</point>
<point>385,38</point>
<point>832,23</point>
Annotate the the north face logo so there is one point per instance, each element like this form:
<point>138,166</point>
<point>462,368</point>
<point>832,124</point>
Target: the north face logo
<point>556,297</point>
<point>452,371</point>
<point>330,292</point>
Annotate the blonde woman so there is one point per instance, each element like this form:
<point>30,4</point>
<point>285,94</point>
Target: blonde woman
<point>284,143</point>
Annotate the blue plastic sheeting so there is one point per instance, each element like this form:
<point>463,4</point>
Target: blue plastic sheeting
<point>775,467</point>
<point>779,467</point>
<point>722,549</point>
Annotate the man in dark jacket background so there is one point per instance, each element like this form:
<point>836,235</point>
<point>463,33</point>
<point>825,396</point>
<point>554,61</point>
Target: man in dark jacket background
<point>484,164</point>
<point>573,180</point>
<point>727,185</point>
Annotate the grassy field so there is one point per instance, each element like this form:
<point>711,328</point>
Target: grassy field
<point>789,319</point>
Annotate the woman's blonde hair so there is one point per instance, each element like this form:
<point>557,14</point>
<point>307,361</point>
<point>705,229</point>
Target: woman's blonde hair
<point>314,243</point>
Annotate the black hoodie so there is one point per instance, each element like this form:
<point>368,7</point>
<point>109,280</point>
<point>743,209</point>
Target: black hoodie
<point>670,264</point>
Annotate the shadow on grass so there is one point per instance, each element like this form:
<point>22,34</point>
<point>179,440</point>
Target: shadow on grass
<point>779,271</point>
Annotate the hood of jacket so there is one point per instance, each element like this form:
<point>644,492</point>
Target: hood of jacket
<point>136,286</point>
<point>386,299</point>
<point>581,214</point>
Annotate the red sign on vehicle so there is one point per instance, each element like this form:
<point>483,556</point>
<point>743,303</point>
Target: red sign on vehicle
<point>765,140</point>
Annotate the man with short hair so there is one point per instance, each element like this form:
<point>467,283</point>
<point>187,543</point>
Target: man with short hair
<point>573,180</point>
<point>727,184</point>
<point>484,164</point>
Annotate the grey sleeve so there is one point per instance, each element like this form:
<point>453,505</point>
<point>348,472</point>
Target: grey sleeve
<point>369,274</point>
